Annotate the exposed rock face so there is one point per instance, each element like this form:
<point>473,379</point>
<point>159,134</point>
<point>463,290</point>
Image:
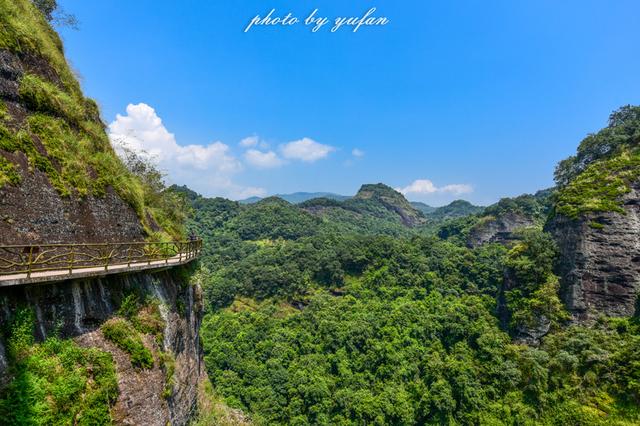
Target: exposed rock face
<point>499,229</point>
<point>77,308</point>
<point>33,211</point>
<point>10,72</point>
<point>600,268</point>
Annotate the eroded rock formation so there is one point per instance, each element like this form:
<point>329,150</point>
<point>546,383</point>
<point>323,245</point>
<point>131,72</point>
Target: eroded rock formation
<point>599,264</point>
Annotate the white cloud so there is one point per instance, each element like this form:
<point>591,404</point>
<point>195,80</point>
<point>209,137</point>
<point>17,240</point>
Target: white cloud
<point>457,189</point>
<point>420,186</point>
<point>206,168</point>
<point>263,160</point>
<point>358,153</point>
<point>305,149</point>
<point>253,142</point>
<point>426,187</point>
<point>249,141</point>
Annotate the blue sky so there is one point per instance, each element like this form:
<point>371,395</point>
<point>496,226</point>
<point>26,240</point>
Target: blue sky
<point>471,99</point>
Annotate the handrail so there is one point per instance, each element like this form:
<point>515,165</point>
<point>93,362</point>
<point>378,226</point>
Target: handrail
<point>28,259</point>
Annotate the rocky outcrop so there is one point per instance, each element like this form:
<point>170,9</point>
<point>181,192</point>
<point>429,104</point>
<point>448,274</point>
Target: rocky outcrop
<point>500,229</point>
<point>599,263</point>
<point>77,308</point>
<point>391,200</point>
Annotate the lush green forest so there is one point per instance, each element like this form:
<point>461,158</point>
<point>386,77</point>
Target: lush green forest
<point>351,329</point>
<point>338,312</point>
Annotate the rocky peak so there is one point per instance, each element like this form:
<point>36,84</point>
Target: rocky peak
<point>391,200</point>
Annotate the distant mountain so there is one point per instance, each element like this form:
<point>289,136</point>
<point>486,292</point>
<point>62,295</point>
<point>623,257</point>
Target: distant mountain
<point>250,200</point>
<point>300,197</point>
<point>424,208</point>
<point>458,208</point>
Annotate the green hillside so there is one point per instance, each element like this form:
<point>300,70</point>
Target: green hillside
<point>51,128</point>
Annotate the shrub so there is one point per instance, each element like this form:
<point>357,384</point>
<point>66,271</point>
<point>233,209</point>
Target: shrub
<point>55,381</point>
<point>168,361</point>
<point>124,336</point>
<point>605,165</point>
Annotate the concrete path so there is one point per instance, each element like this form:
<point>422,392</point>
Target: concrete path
<point>64,274</point>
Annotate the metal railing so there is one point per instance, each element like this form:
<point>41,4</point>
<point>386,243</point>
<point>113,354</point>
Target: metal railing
<point>28,259</point>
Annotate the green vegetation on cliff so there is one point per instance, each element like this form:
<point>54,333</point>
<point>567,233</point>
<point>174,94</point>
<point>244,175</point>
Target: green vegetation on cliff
<point>60,132</point>
<point>534,298</point>
<point>602,171</point>
<point>126,337</point>
<point>55,382</point>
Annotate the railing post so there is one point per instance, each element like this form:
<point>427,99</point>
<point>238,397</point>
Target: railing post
<point>129,256</point>
<point>29,262</point>
<point>71,259</point>
<point>180,252</point>
<point>166,253</point>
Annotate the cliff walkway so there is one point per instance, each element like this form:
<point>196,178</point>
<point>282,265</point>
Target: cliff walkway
<point>29,264</point>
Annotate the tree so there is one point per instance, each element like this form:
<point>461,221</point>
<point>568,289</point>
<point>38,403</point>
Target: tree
<point>55,14</point>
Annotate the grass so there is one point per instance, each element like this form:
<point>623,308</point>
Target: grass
<point>56,382</point>
<point>146,318</point>
<point>42,96</point>
<point>24,30</point>
<point>4,114</point>
<point>600,187</point>
<point>121,333</point>
<point>8,173</point>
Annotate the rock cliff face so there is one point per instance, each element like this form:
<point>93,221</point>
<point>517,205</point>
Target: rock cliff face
<point>77,308</point>
<point>491,229</point>
<point>599,263</point>
<point>33,210</point>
